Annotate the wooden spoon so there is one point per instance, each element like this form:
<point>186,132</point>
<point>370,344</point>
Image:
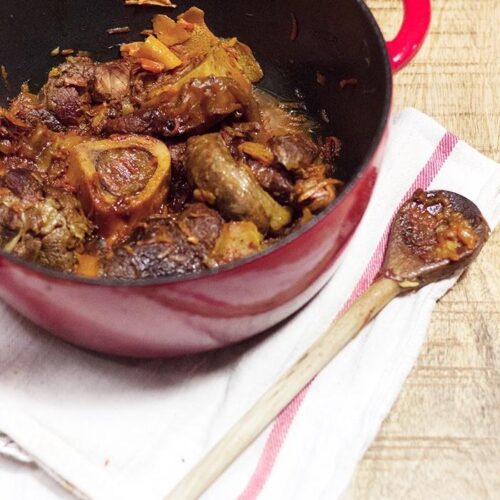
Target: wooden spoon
<point>433,236</point>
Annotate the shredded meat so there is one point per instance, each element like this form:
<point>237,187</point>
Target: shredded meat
<point>50,230</point>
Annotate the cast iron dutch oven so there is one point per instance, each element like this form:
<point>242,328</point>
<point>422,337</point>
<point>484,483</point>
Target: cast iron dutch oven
<point>172,316</point>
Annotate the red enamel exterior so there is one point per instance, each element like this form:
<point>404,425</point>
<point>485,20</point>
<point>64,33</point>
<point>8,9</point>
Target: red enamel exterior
<point>194,314</point>
<point>416,22</point>
<point>199,313</point>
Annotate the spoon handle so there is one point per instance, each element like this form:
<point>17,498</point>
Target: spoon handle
<point>267,408</point>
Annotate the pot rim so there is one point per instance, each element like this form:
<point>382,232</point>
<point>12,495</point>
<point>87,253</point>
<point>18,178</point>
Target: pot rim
<point>232,266</point>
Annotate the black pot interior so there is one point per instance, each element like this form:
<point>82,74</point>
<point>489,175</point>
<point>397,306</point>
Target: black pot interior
<point>335,38</point>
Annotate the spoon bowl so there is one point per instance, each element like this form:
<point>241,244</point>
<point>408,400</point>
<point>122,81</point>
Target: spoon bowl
<point>434,235</point>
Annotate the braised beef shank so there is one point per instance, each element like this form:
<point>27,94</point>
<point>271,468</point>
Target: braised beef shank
<point>166,161</point>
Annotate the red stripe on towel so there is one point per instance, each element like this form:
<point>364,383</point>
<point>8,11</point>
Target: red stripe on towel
<point>285,419</point>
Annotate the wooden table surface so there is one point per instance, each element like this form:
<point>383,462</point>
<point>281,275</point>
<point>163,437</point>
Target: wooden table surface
<point>442,437</point>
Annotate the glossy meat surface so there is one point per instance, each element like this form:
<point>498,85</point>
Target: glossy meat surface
<point>232,186</point>
<point>164,246</point>
<point>200,104</point>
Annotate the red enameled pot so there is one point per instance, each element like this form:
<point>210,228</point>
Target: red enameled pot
<point>165,317</point>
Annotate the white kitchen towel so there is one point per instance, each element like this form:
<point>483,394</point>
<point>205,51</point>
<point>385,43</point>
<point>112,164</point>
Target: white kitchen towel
<point>110,428</point>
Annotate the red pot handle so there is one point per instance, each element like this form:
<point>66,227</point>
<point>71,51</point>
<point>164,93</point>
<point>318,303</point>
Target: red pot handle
<point>416,21</point>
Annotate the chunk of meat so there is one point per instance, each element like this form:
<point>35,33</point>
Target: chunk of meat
<point>8,163</point>
<point>50,231</point>
<point>201,225</point>
<point>181,187</point>
<point>27,107</point>
<point>294,151</point>
<point>76,71</point>
<point>274,179</point>
<point>124,171</point>
<point>199,105</point>
<point>18,139</point>
<point>164,246</point>
<point>23,183</point>
<point>120,181</point>
<point>232,186</point>
<point>12,130</point>
<point>432,229</point>
<point>159,250</point>
<point>67,92</point>
<point>66,105</point>
<point>111,81</point>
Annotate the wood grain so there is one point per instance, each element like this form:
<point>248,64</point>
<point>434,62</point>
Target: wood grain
<point>442,438</point>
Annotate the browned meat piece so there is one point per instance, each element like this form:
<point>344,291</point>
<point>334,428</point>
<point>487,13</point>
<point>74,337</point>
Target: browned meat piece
<point>27,107</point>
<point>167,246</point>
<point>65,103</point>
<point>12,130</point>
<point>146,121</point>
<point>23,183</point>
<point>9,163</point>
<point>232,186</point>
<point>294,152</point>
<point>44,116</point>
<point>125,171</point>
<point>120,180</point>
<point>181,187</point>
<point>76,72</point>
<point>66,99</point>
<point>275,180</point>
<point>111,81</point>
<point>67,92</point>
<point>159,250</point>
<point>149,260</point>
<point>177,154</point>
<point>201,225</point>
<point>199,105</point>
<point>49,231</point>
